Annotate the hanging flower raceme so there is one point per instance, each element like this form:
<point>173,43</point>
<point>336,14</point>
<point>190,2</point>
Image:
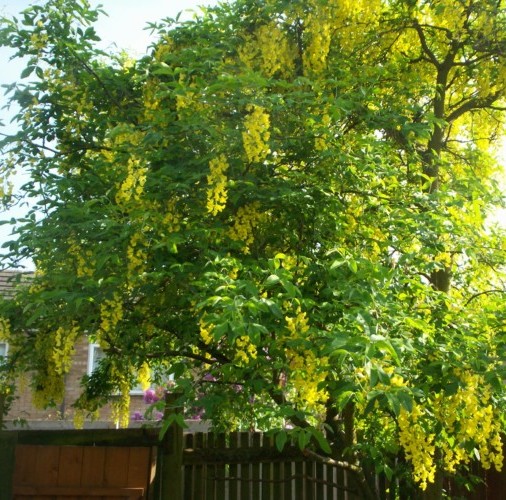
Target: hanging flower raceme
<point>247,219</point>
<point>465,420</point>
<point>217,182</point>
<point>256,134</point>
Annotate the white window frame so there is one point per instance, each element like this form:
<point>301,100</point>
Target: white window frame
<point>135,391</point>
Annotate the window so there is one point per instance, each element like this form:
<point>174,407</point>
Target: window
<point>4,347</point>
<point>95,354</point>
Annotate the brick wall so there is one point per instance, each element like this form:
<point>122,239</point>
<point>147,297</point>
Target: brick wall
<point>23,408</point>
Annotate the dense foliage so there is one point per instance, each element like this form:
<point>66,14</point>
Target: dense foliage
<point>284,205</point>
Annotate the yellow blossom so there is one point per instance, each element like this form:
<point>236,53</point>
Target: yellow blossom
<point>247,218</point>
<point>144,376</point>
<point>256,134</point>
<point>217,181</point>
<point>246,351</point>
<point>269,50</point>
<point>206,331</point>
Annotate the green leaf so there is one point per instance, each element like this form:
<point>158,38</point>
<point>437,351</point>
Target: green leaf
<point>322,441</point>
<point>27,71</point>
<point>281,439</point>
<point>272,280</point>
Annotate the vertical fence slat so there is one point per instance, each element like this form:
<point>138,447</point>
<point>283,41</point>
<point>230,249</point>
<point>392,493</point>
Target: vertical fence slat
<point>46,465</point>
<point>234,469</point>
<point>7,464</point>
<point>220,471</point>
<point>310,485</point>
<point>277,476</point>
<point>288,482</point>
<point>211,470</point>
<point>71,461</point>
<point>188,469</point>
<point>92,472</point>
<point>330,487</point>
<point>138,467</point>
<point>199,486</point>
<point>245,485</point>
<point>319,478</point>
<point>115,473</point>
<point>25,464</point>
<point>256,468</point>
<point>172,454</point>
<point>300,483</point>
<point>267,442</point>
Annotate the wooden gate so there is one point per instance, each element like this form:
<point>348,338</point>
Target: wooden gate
<point>98,464</point>
<point>79,472</point>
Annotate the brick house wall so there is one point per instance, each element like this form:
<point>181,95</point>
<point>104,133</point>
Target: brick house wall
<point>22,407</point>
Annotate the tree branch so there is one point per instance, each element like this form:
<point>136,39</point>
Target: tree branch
<point>472,104</point>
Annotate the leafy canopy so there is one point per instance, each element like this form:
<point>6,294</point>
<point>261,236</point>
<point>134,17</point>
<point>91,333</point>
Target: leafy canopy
<point>284,204</point>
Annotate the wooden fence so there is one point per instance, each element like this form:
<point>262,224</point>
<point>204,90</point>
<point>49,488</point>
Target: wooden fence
<point>66,465</point>
<point>107,464</point>
<point>65,472</point>
<point>197,466</point>
<point>247,466</point>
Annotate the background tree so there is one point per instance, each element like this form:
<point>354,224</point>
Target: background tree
<point>284,203</point>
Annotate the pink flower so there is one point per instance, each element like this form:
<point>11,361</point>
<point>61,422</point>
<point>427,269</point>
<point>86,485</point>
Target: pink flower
<point>150,397</point>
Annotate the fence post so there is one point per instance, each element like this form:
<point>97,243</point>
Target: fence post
<point>171,470</point>
<point>8,441</point>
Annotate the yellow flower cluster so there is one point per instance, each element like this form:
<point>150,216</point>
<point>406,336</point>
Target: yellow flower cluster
<point>321,140</point>
<point>164,47</point>
<point>418,445</point>
<point>39,40</point>
<point>136,256</point>
<point>269,50</point>
<point>49,388</point>
<point>5,329</point>
<point>172,220</point>
<point>63,348</point>
<point>188,100</point>
<point>121,407</point>
<point>247,219</point>
<point>217,181</point>
<point>133,186</point>
<point>246,351</point>
<point>206,331</point>
<point>318,29</point>
<point>308,370</point>
<point>469,416</point>
<point>151,101</point>
<point>84,260</point>
<point>298,325</point>
<point>111,313</point>
<point>256,134</point>
<point>144,376</point>
<point>78,418</point>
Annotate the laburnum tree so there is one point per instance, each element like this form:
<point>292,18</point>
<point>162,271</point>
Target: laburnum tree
<point>285,205</point>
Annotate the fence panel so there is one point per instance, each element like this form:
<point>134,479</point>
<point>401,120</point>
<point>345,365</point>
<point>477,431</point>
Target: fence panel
<point>74,472</point>
<point>247,466</point>
<point>234,466</point>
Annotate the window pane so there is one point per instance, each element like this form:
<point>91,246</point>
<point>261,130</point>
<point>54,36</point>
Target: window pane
<point>97,354</point>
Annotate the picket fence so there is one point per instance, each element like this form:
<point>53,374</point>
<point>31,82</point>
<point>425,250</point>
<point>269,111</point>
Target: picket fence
<point>247,466</point>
